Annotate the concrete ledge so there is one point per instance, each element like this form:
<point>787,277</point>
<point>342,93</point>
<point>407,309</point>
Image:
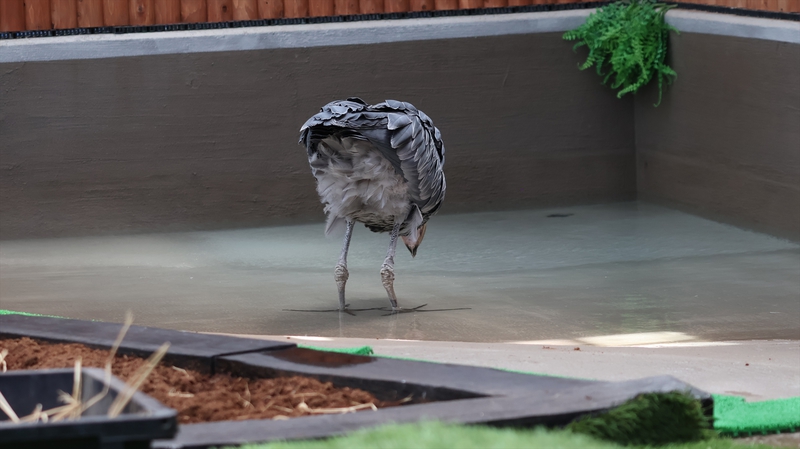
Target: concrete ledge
<point>367,32</point>
<point>287,36</point>
<point>735,26</point>
<point>714,366</point>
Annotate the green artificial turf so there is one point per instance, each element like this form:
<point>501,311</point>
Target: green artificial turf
<point>649,419</point>
<point>12,312</point>
<point>734,416</point>
<point>359,350</point>
<point>433,435</point>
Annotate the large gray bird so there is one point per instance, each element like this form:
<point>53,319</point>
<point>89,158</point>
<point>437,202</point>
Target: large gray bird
<point>380,165</point>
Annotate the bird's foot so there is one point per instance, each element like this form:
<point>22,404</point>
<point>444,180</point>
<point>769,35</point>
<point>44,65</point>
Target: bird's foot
<point>340,274</point>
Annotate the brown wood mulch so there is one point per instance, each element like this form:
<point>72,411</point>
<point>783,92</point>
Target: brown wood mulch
<point>200,397</point>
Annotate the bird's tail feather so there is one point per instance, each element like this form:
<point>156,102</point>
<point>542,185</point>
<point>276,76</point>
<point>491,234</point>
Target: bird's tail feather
<point>335,226</point>
<point>414,221</point>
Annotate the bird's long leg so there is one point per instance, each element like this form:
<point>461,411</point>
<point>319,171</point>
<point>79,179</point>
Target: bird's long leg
<point>340,273</point>
<point>387,269</point>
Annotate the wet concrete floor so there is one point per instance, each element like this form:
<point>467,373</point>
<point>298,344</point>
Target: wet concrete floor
<point>525,275</point>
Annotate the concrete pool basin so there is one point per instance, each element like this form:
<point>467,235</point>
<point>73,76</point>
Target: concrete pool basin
<point>157,174</point>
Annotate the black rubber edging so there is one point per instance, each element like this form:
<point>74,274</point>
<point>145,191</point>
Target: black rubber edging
<point>537,407</point>
<point>460,394</point>
<point>187,349</point>
<point>382,16</point>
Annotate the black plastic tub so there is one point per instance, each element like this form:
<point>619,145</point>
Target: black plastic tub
<point>141,421</point>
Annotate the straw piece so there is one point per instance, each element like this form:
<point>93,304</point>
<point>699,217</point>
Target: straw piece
<point>6,407</point>
<point>3,363</point>
<point>269,404</point>
<point>109,360</point>
<point>35,415</point>
<point>120,336</point>
<point>337,410</point>
<point>76,389</point>
<point>72,409</point>
<point>174,393</point>
<point>76,380</point>
<point>185,373</point>
<point>136,381</point>
<point>55,410</point>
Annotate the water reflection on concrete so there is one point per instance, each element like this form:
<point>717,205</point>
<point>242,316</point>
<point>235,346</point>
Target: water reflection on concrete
<point>605,269</point>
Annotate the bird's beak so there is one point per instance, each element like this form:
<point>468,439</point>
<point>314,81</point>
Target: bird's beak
<point>412,242</point>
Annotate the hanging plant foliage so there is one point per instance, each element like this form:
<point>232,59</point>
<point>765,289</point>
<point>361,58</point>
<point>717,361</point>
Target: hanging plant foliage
<point>627,43</point>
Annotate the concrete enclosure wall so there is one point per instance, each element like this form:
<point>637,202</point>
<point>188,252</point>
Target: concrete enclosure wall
<point>209,140</point>
<point>162,136</point>
<point>725,142</point>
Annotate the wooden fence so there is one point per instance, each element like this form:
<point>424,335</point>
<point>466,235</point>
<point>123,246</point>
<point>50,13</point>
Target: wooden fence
<point>19,15</point>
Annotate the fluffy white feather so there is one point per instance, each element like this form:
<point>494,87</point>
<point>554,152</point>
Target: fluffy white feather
<point>359,184</point>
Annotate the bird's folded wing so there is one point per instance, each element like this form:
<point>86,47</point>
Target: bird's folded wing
<point>404,135</point>
<point>410,135</point>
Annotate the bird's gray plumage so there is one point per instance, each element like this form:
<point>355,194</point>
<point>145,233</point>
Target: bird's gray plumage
<point>380,165</point>
<point>346,136</point>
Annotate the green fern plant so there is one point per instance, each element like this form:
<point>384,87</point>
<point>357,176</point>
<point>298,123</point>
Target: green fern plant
<point>628,39</point>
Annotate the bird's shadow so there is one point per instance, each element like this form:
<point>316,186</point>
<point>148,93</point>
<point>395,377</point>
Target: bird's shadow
<point>352,311</point>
